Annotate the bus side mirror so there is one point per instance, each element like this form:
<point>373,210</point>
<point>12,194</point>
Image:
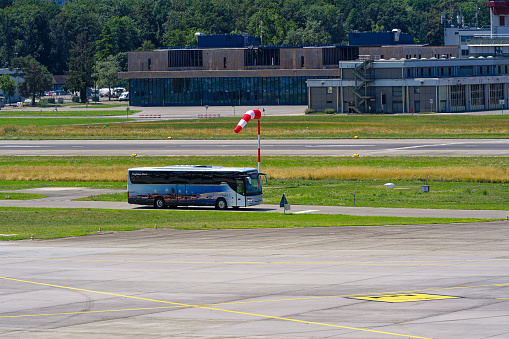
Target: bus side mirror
<point>249,180</point>
<point>265,175</point>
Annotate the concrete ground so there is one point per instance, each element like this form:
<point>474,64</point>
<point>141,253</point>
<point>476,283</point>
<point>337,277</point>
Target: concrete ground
<point>414,281</point>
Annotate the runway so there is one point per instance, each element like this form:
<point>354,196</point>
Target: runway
<point>335,147</point>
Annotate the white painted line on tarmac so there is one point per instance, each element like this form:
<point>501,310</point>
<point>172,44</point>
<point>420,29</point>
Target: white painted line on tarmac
<point>22,146</point>
<point>331,146</point>
<point>306,211</point>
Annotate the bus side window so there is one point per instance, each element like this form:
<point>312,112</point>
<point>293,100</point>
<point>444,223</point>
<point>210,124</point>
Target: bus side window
<point>207,178</point>
<point>240,186</point>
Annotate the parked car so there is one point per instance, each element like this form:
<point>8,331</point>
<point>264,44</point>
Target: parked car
<point>60,92</point>
<point>115,92</point>
<point>124,96</point>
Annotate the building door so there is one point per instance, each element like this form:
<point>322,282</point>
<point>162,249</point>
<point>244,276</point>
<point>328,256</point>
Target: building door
<point>417,106</point>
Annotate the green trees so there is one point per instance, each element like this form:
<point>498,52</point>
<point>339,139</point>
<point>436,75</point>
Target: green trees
<point>47,31</point>
<point>81,66</point>
<point>8,86</point>
<point>36,77</point>
<point>106,72</point>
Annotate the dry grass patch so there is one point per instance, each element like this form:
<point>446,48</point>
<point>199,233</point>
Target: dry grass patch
<point>453,173</point>
<point>117,173</point>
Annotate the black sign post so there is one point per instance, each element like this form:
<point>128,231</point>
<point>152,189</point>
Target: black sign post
<point>284,203</point>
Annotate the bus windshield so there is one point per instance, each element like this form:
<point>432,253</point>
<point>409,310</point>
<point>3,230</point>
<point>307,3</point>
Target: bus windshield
<point>253,184</point>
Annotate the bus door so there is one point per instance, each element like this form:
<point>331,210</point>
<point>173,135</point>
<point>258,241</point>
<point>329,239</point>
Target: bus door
<point>241,192</point>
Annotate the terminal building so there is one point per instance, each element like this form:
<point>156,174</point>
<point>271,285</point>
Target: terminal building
<point>234,69</point>
<point>406,86</point>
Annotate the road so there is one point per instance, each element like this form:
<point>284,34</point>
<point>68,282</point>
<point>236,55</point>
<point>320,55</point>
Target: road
<point>335,147</point>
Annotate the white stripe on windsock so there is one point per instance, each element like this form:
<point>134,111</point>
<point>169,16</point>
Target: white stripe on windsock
<point>253,114</point>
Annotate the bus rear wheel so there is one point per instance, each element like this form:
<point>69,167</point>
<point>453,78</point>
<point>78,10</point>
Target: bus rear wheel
<point>221,204</point>
<point>159,203</point>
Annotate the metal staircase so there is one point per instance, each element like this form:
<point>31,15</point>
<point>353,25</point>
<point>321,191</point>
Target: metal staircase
<point>363,76</point>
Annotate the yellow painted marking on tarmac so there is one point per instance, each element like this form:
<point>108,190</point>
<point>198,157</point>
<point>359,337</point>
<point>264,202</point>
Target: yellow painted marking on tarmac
<point>375,263</point>
<point>404,297</point>
<point>86,312</point>
<point>363,294</point>
<point>216,309</point>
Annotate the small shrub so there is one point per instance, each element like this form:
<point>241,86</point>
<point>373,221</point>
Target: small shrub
<point>51,100</point>
<point>10,129</point>
<point>485,192</point>
<point>309,111</point>
<point>75,98</point>
<point>330,111</point>
<point>94,98</point>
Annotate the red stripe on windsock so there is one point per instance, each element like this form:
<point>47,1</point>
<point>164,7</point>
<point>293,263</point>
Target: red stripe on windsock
<point>253,114</point>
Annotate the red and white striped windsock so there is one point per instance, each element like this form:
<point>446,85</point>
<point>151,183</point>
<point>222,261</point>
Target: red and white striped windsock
<point>253,114</point>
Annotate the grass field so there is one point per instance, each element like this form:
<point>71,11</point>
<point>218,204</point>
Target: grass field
<point>457,183</point>
<point>62,113</point>
<point>280,127</point>
<point>20,196</point>
<point>44,223</point>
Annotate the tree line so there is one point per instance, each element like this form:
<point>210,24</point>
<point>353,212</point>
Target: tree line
<point>72,39</point>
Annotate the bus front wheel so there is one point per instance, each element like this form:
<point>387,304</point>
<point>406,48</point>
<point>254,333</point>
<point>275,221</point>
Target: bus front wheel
<point>159,203</point>
<point>221,204</point>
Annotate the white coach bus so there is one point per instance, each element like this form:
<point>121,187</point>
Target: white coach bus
<point>194,185</point>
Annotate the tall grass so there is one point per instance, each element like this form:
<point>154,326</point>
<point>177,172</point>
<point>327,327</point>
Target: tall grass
<point>452,173</point>
<point>274,127</point>
<point>117,173</point>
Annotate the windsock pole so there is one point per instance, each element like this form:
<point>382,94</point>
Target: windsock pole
<point>259,146</point>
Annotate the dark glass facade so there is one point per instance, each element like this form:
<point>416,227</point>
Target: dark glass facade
<point>219,91</point>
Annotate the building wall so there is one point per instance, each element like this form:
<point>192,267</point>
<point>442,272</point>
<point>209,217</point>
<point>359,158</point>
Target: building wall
<point>17,80</point>
<point>291,58</point>
<point>408,52</point>
<point>325,97</point>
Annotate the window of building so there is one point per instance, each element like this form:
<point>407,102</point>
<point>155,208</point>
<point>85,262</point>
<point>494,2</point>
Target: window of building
<point>302,61</point>
<point>261,57</point>
<point>480,69</point>
<point>417,90</point>
<point>333,55</point>
<point>329,90</point>
<point>502,20</point>
<point>429,72</point>
<point>477,95</point>
<point>457,96</point>
<point>408,74</point>
<point>149,63</point>
<point>224,61</point>
<point>496,93</point>
<point>185,58</point>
